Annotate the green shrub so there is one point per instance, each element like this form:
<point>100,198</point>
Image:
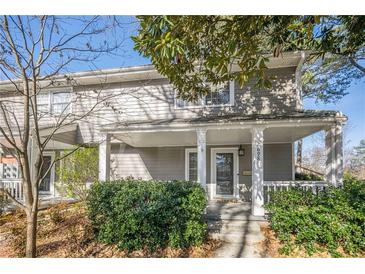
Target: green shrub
<point>307,177</point>
<point>334,218</point>
<point>76,170</point>
<point>136,214</point>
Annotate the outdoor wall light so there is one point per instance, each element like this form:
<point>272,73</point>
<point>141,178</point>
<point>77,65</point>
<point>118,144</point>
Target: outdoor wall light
<point>241,151</point>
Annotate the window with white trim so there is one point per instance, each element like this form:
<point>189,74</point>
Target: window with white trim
<point>220,95</point>
<point>191,165</point>
<point>54,102</point>
<point>61,102</point>
<point>10,170</point>
<point>43,103</point>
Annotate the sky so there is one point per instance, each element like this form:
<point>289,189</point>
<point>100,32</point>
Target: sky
<point>352,105</point>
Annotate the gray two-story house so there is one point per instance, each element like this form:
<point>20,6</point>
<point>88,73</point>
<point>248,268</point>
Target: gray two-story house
<point>234,142</point>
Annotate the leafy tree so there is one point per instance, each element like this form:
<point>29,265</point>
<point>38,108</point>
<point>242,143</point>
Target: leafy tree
<point>328,79</point>
<point>354,161</point>
<point>360,150</point>
<point>78,169</point>
<point>357,161</point>
<point>193,50</point>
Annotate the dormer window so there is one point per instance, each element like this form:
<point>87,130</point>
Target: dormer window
<point>56,102</point>
<point>220,95</point>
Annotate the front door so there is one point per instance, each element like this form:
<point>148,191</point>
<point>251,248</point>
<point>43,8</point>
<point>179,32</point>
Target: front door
<point>47,183</point>
<point>225,172</point>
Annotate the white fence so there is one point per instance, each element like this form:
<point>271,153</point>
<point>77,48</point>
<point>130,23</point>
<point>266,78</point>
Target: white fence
<point>13,186</point>
<point>273,186</point>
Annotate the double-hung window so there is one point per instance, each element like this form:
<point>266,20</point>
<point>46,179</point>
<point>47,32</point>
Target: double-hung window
<point>191,164</point>
<point>219,95</point>
<point>43,103</point>
<point>54,102</point>
<point>61,102</point>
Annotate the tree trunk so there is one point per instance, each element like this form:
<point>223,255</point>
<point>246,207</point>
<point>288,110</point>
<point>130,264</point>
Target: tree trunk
<point>32,216</point>
<point>299,155</point>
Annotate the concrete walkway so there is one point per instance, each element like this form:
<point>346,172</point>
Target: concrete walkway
<point>238,230</point>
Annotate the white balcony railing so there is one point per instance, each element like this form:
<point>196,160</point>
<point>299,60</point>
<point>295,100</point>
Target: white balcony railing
<point>14,187</point>
<point>272,186</point>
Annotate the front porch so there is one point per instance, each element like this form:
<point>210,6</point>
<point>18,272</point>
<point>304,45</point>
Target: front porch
<point>230,158</point>
<point>10,172</point>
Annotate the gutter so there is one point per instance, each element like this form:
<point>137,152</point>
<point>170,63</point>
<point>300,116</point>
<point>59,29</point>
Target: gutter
<point>183,126</point>
<point>134,73</point>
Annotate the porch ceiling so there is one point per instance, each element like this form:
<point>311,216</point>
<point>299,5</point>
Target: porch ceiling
<point>217,136</point>
<point>225,129</point>
<point>63,138</point>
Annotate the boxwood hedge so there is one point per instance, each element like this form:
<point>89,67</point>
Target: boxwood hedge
<point>137,214</point>
<point>333,220</point>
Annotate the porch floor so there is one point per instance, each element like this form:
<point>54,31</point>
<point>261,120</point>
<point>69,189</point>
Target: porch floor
<point>239,231</point>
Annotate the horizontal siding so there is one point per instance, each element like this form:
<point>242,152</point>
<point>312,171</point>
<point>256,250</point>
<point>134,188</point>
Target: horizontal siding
<point>281,97</point>
<point>14,105</point>
<point>168,163</point>
<point>148,163</point>
<point>15,113</point>
<point>154,99</point>
<point>277,162</point>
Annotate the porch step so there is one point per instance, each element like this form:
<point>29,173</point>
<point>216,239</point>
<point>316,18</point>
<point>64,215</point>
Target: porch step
<point>233,224</point>
<point>229,217</point>
<point>229,226</point>
<point>236,231</point>
<point>238,238</point>
<point>230,211</point>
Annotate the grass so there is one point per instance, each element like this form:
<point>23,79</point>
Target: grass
<point>64,231</point>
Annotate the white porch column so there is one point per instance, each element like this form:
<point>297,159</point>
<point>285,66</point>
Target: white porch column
<point>104,157</point>
<point>258,171</point>
<point>201,136</point>
<point>331,157</point>
<point>339,155</point>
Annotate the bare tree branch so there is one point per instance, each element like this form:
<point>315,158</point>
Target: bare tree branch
<point>13,199</point>
<point>34,52</point>
<point>356,64</point>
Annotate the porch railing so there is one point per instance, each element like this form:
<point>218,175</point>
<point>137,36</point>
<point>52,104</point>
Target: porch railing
<point>308,170</point>
<point>273,186</point>
<point>14,187</point>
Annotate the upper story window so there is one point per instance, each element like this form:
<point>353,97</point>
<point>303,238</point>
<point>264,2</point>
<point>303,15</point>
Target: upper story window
<point>43,103</point>
<point>61,102</point>
<point>220,95</point>
<point>54,102</point>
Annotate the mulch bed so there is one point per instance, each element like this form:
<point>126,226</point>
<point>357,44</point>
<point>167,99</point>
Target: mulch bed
<point>64,231</point>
